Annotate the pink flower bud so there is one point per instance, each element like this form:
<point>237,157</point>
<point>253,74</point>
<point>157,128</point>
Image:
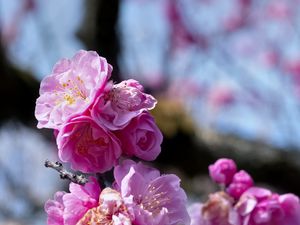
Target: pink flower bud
<point>141,138</point>
<point>222,171</point>
<point>240,183</point>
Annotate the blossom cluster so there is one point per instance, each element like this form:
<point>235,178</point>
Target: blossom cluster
<point>100,125</point>
<point>96,121</point>
<point>97,125</point>
<point>242,203</point>
<point>140,195</point>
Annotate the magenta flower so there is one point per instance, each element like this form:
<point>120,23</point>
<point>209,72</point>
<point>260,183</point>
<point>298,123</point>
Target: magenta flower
<point>121,103</point>
<point>69,208</point>
<point>240,183</point>
<point>259,206</point>
<point>87,146</point>
<point>222,171</point>
<point>71,88</point>
<point>153,199</point>
<point>141,138</point>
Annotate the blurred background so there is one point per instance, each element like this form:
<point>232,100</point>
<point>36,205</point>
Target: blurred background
<point>226,74</point>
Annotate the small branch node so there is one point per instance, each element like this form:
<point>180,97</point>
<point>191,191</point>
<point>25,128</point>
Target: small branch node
<point>64,174</point>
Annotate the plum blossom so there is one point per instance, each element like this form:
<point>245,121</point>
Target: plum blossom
<point>69,208</point>
<point>195,214</point>
<point>111,210</point>
<point>222,171</point>
<point>120,103</point>
<point>153,199</point>
<point>55,209</point>
<point>218,210</point>
<point>87,146</point>
<point>86,205</point>
<point>141,138</point>
<point>71,88</point>
<point>260,206</point>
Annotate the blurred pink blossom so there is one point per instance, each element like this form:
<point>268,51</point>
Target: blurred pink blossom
<point>220,96</point>
<point>240,183</point>
<point>222,171</point>
<point>218,210</point>
<point>260,206</point>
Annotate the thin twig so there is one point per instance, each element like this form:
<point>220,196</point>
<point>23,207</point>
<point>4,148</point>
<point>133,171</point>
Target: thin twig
<point>64,174</point>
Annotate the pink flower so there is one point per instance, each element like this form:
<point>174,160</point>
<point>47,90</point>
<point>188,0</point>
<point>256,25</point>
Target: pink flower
<point>259,206</point>
<point>55,209</point>
<point>83,205</point>
<point>71,88</point>
<point>121,103</point>
<point>218,210</point>
<point>222,171</point>
<point>141,138</point>
<point>69,208</point>
<point>195,212</point>
<point>153,199</point>
<point>87,146</point>
<point>111,210</point>
<point>240,183</point>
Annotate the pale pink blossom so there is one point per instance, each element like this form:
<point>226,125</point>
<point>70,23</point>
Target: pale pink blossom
<point>55,209</point>
<point>71,88</point>
<point>195,212</point>
<point>87,146</point>
<point>111,210</point>
<point>141,138</point>
<point>222,171</point>
<point>217,210</point>
<point>69,208</point>
<point>120,103</point>
<point>153,199</point>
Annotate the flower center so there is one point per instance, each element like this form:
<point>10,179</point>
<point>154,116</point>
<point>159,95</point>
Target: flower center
<point>96,216</point>
<point>72,89</point>
<point>155,199</point>
<point>85,140</point>
<point>125,97</point>
<point>110,204</point>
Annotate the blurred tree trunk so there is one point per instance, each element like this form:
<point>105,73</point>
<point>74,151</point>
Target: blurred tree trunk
<point>99,31</point>
<point>18,90</point>
<point>192,149</point>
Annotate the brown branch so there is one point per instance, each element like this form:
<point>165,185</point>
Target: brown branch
<point>64,174</point>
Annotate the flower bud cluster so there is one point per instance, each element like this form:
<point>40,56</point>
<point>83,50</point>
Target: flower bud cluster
<point>242,203</point>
